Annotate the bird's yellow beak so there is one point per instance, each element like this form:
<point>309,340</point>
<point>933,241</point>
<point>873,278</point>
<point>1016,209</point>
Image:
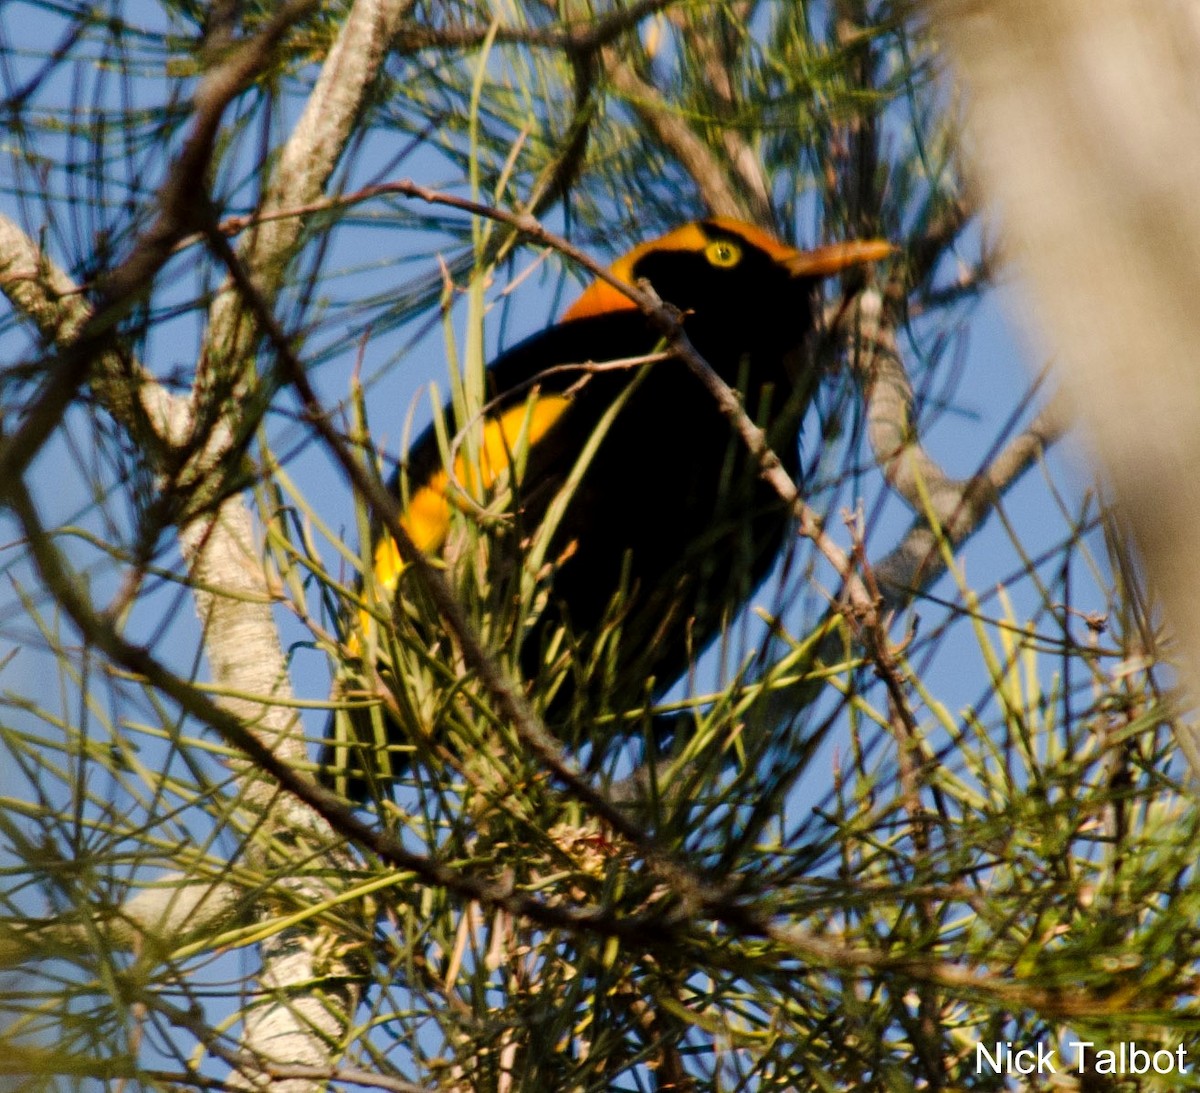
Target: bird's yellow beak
<point>834,257</point>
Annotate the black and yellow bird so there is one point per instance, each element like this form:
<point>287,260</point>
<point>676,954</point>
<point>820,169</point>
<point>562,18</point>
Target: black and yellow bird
<point>667,527</point>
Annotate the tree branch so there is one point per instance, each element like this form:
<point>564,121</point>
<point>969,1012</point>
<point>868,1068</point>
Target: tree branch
<point>305,165</point>
<point>582,36</point>
<point>944,506</point>
<point>716,188</point>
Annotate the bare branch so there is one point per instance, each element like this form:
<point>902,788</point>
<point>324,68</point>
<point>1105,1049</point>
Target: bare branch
<point>157,920</point>
<point>38,288</point>
<point>944,505</point>
<point>716,187</point>
<point>573,37</point>
<point>959,509</point>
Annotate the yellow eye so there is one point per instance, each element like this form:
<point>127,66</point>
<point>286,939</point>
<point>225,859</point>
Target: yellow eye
<point>723,253</point>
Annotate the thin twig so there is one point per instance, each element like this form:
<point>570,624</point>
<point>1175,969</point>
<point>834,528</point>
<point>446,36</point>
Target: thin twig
<point>584,36</point>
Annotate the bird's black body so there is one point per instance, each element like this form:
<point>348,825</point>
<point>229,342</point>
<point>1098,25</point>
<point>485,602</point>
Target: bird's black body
<point>670,504</point>
<point>671,511</point>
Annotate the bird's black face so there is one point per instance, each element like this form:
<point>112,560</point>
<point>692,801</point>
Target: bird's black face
<point>731,291</point>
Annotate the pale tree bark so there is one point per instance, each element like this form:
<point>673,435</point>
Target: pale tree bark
<point>295,1027</point>
<point>305,165</point>
<point>1085,115</point>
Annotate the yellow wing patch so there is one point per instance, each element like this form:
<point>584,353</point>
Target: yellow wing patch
<point>426,518</point>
